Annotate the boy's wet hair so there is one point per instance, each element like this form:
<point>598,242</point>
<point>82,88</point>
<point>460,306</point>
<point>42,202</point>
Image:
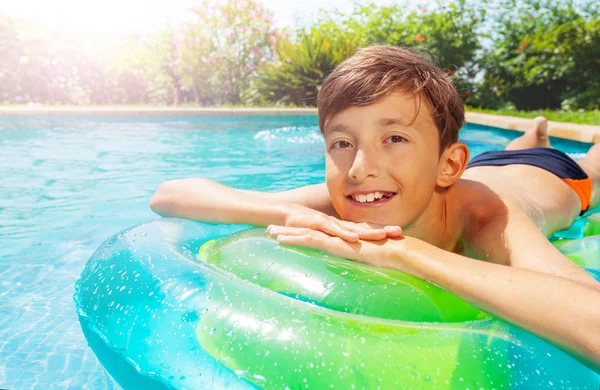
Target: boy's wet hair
<point>377,71</point>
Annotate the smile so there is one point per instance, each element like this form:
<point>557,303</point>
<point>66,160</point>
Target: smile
<point>371,198</point>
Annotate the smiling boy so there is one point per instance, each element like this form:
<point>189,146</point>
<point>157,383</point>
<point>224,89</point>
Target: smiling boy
<point>390,120</point>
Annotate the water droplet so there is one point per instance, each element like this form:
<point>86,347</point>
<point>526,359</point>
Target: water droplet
<point>308,274</point>
<point>329,284</point>
<point>190,317</point>
<point>344,273</point>
<point>256,275</point>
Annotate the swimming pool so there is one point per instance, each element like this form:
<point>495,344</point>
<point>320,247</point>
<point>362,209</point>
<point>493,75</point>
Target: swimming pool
<point>68,183</point>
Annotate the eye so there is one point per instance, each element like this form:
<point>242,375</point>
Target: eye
<point>395,139</point>
<point>341,144</point>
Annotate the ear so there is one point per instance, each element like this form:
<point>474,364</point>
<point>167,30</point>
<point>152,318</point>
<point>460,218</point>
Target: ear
<point>453,163</point>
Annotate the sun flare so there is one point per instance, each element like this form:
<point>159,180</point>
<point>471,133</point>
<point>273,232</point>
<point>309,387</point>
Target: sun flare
<point>94,18</point>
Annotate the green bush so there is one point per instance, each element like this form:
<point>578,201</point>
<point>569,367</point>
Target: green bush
<point>297,74</point>
<point>447,33</point>
<point>545,55</point>
<point>220,52</point>
<point>523,54</point>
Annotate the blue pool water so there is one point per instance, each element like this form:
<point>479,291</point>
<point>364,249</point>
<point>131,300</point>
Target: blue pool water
<point>68,183</point>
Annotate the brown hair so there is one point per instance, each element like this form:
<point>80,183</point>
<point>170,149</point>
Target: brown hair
<point>377,71</point>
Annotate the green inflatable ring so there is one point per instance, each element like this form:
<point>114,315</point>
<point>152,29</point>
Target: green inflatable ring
<point>312,315</point>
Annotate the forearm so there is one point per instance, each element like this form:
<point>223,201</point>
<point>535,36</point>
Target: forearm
<point>208,201</point>
<point>557,309</point>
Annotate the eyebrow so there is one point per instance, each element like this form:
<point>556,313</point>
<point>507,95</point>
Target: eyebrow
<point>339,127</point>
<point>392,122</point>
<point>383,122</point>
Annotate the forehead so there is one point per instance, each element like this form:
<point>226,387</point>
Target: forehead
<point>404,109</point>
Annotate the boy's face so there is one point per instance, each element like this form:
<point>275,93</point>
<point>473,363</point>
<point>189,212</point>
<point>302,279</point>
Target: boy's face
<point>382,164</point>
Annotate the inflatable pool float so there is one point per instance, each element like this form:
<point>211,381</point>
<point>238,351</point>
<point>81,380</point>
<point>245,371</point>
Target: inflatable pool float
<point>175,304</point>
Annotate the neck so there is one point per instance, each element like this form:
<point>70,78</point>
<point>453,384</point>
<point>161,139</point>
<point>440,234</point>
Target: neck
<point>438,224</point>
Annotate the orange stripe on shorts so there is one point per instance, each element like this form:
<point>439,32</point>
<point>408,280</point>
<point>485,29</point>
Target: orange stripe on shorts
<point>583,188</point>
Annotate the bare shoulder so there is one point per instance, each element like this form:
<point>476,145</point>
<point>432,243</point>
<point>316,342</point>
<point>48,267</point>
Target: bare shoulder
<point>486,218</point>
<point>314,196</point>
<point>501,232</point>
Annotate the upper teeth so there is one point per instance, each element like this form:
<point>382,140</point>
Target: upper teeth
<point>362,198</point>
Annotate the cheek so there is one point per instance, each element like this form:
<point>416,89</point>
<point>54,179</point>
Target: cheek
<point>335,170</point>
<point>332,174</point>
<point>333,180</point>
<point>418,179</point>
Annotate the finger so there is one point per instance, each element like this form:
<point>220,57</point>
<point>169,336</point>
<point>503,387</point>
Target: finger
<point>365,231</point>
<point>275,230</point>
<point>327,225</point>
<point>390,231</point>
<point>333,245</point>
<point>393,231</point>
<point>334,228</point>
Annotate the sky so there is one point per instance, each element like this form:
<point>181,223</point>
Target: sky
<point>115,17</point>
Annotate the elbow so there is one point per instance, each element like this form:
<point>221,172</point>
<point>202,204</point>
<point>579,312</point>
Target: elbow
<point>589,348</point>
<point>592,350</point>
<point>164,200</point>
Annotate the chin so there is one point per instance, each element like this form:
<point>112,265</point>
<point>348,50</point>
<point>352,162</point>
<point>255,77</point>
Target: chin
<point>368,217</point>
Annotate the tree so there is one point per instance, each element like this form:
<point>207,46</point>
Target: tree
<point>448,33</point>
<point>545,54</point>
<point>220,51</point>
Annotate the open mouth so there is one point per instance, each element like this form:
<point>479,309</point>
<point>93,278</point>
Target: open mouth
<point>371,198</point>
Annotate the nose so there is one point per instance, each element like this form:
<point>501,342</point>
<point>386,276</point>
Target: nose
<point>365,164</point>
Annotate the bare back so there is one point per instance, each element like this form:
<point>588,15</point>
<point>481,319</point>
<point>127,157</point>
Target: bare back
<point>548,201</point>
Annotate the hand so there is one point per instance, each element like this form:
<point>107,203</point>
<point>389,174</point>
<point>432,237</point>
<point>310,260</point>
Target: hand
<point>368,252</point>
<point>304,217</point>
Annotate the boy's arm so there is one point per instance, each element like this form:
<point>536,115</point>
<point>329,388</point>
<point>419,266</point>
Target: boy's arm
<point>208,201</point>
<point>563,310</point>
<point>310,206</point>
<point>520,244</point>
<point>315,197</point>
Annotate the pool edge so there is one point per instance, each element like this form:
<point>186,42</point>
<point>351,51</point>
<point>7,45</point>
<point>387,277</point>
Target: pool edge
<point>570,131</point>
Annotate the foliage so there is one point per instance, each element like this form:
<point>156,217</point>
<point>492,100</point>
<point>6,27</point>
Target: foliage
<point>220,51</point>
<point>545,54</point>
<point>164,81</point>
<point>503,54</point>
<point>446,32</point>
<point>301,67</point>
<point>33,65</point>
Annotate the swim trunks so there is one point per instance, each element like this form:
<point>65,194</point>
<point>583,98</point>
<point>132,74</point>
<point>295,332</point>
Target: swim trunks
<point>551,160</point>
